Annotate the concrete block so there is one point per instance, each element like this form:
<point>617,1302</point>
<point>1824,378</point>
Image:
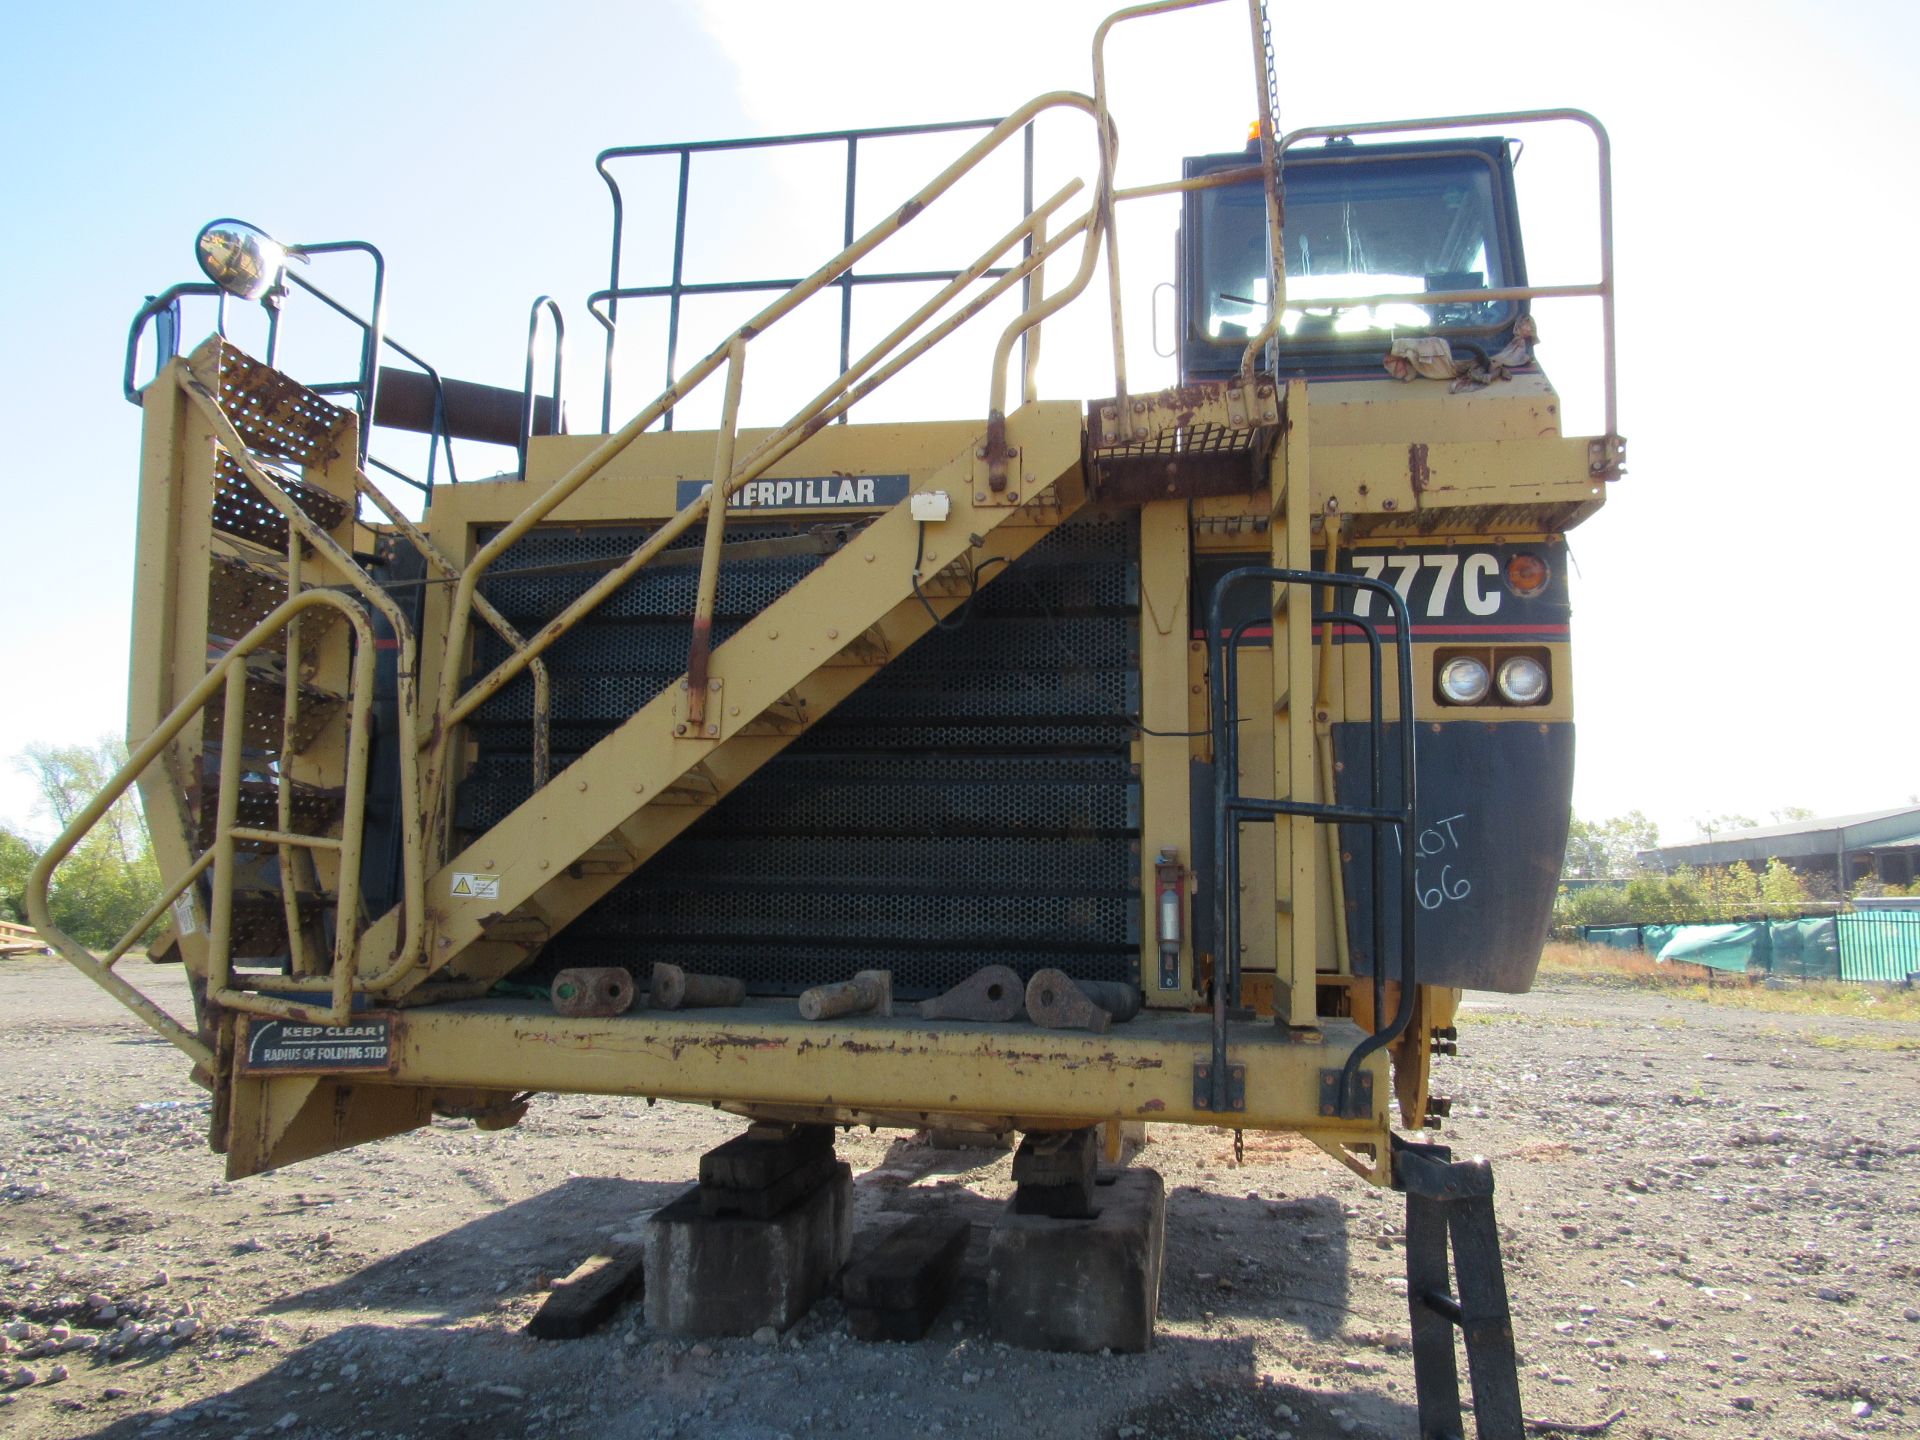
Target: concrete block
<point>731,1274</point>
<point>1084,1285</point>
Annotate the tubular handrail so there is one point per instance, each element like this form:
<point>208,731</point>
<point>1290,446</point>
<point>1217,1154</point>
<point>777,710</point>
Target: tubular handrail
<point>450,707</point>
<point>501,626</point>
<point>1110,159</point>
<point>551,307</point>
<point>1607,463</point>
<point>820,411</point>
<point>372,331</point>
<point>228,831</point>
<point>1230,807</point>
<point>156,306</point>
<point>229,673</point>
<point>835,400</point>
<point>413,840</point>
<point>675,288</point>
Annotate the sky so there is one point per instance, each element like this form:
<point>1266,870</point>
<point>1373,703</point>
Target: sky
<point>1744,627</point>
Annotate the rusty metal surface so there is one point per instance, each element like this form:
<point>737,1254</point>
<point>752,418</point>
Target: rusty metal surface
<point>265,721</point>
<point>673,988</point>
<point>1207,438</point>
<point>277,417</point>
<point>992,993</point>
<point>871,991</point>
<point>599,991</point>
<point>763,1061</point>
<point>1056,1001</point>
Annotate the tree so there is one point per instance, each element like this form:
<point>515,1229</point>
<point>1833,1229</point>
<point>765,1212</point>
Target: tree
<point>1782,887</point>
<point>106,884</point>
<point>1608,849</point>
<point>1791,814</point>
<point>17,855</point>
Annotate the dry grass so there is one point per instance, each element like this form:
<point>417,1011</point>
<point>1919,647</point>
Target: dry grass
<point>1603,965</point>
<point>1606,965</point>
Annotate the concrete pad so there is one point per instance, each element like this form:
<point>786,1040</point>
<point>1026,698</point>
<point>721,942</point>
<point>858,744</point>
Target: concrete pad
<point>730,1274</point>
<point>1081,1284</point>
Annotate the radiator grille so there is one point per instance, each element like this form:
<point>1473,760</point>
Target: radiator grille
<point>972,804</point>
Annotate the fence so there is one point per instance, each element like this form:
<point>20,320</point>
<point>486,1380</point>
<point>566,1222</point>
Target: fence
<point>1868,946</point>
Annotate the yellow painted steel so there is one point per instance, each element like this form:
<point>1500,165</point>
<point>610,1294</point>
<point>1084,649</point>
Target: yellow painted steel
<point>763,1054</point>
<point>1360,463</point>
<point>1164,746</point>
<point>1296,851</point>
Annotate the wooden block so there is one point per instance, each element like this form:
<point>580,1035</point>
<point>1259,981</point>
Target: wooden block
<point>587,1298</point>
<point>756,1159</point>
<point>764,1202</point>
<point>913,1264</point>
<point>895,1290</point>
<point>1055,1174</point>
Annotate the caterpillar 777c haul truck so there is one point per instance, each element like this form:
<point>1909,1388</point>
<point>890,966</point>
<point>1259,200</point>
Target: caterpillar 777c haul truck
<point>1172,756</point>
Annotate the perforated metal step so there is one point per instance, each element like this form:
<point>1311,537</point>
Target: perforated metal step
<point>265,719</point>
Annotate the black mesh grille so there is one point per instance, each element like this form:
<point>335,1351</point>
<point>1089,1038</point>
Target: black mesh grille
<point>972,804</point>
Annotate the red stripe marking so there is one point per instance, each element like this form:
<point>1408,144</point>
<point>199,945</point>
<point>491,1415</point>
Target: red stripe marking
<point>1349,631</point>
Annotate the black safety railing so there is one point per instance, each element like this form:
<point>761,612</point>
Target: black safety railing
<point>1231,810</point>
<point>361,392</point>
<point>604,305</point>
<point>529,407</point>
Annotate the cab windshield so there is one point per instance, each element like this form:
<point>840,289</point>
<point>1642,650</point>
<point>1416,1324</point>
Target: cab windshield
<point>1354,228</point>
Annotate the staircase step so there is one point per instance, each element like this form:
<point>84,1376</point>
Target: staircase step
<point>243,592</point>
<point>278,418</point>
<point>316,809</point>
<point>260,921</point>
<point>264,721</point>
<point>242,511</point>
<point>868,650</point>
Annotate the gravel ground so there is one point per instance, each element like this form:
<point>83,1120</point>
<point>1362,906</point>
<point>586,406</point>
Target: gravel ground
<point>1709,1216</point>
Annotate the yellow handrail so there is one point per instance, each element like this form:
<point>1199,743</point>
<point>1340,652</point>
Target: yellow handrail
<point>413,839</point>
<point>229,673</point>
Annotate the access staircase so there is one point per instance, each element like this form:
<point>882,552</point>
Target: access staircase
<point>259,633</point>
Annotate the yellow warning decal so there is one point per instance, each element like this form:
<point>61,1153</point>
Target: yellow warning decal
<point>475,887</point>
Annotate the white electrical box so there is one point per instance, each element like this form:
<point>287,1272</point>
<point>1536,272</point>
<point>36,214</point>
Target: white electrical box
<point>930,505</point>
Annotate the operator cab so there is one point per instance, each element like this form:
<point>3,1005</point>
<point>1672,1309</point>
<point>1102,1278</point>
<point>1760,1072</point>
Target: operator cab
<point>1423,217</point>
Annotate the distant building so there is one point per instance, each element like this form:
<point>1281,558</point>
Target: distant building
<point>1882,845</point>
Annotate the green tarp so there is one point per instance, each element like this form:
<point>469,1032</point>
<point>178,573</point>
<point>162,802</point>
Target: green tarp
<point>1741,949</point>
<point>1867,945</point>
<point>1617,937</point>
<point>1805,949</point>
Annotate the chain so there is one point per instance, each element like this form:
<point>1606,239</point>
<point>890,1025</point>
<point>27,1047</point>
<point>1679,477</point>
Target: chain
<point>1239,1147</point>
<point>1273,73</point>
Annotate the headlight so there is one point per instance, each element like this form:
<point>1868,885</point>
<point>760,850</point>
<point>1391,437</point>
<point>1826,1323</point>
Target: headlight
<point>1463,681</point>
<point>1523,680</point>
<point>240,258</point>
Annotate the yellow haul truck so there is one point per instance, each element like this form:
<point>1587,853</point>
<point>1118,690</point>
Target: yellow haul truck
<point>1172,756</point>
